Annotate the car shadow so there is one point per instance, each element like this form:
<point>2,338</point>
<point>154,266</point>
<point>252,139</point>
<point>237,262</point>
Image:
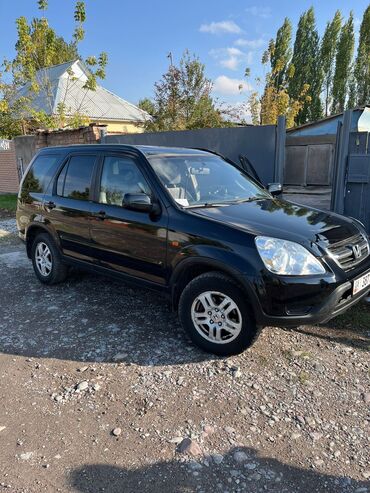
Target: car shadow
<point>350,334</point>
<point>90,318</point>
<point>255,474</point>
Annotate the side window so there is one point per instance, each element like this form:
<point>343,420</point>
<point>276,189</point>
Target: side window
<point>74,181</point>
<point>120,175</point>
<point>39,175</point>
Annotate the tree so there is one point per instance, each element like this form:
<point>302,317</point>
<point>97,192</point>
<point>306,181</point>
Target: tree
<point>343,66</point>
<point>281,53</point>
<point>11,123</point>
<point>307,68</point>
<point>38,47</point>
<point>327,56</point>
<point>182,98</point>
<point>9,127</point>
<point>275,100</point>
<point>362,65</point>
<point>147,105</point>
<point>352,93</point>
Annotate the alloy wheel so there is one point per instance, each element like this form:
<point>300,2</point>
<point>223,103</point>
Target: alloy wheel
<point>216,317</point>
<point>43,259</point>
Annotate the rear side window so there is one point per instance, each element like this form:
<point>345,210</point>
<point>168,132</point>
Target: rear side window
<point>39,175</point>
<point>74,181</point>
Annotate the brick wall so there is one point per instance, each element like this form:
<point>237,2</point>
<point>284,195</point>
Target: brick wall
<point>9,181</point>
<point>83,135</point>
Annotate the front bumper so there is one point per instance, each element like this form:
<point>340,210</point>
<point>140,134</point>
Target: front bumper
<point>291,302</point>
<point>335,304</point>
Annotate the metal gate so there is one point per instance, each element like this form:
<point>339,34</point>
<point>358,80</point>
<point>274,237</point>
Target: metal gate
<point>309,160</point>
<point>357,192</point>
<point>351,176</point>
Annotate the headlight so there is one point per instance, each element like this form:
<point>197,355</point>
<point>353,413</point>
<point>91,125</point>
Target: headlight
<point>287,258</point>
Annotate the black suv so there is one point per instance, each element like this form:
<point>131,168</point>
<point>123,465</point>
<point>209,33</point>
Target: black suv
<point>231,256</point>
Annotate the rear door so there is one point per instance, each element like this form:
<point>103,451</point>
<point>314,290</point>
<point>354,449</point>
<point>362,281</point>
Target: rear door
<point>128,241</point>
<point>34,185</point>
<point>68,207</point>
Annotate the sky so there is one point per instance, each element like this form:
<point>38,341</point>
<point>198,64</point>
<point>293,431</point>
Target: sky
<point>227,35</point>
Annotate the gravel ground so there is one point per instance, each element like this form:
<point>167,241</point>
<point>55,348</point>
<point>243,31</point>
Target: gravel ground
<point>8,229</point>
<point>101,391</point>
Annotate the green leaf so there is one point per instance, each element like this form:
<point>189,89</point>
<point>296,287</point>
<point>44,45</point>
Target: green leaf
<point>80,12</point>
<point>43,4</point>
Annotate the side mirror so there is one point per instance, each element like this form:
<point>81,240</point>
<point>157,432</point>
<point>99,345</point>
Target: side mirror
<point>140,202</point>
<point>275,189</point>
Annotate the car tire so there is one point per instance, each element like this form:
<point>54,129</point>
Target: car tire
<point>46,260</point>
<point>214,312</point>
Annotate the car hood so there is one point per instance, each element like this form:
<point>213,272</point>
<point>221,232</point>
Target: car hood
<point>282,219</point>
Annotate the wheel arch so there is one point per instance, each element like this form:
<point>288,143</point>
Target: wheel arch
<point>193,267</point>
<point>32,231</point>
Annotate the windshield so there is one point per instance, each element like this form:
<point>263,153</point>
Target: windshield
<point>197,180</point>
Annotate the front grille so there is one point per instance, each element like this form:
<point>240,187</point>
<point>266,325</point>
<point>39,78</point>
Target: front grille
<point>350,252</point>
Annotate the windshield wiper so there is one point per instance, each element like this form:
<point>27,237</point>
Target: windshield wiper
<point>207,204</point>
<point>227,202</point>
<point>221,204</point>
<point>250,199</point>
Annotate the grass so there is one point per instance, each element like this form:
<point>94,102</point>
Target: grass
<point>8,202</point>
<point>353,327</point>
<point>303,377</point>
<point>291,354</point>
<point>358,316</point>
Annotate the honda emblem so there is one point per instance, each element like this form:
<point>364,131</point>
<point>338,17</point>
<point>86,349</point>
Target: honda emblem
<point>356,251</point>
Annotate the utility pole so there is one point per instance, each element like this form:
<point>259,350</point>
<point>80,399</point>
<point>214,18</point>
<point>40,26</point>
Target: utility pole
<point>169,56</point>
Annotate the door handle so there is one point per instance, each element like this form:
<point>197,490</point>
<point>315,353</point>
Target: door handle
<point>99,215</point>
<point>50,204</point>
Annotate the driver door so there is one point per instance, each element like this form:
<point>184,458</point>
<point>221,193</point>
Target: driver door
<point>127,241</point>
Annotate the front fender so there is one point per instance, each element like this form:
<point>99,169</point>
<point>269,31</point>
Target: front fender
<point>244,269</point>
<point>246,264</point>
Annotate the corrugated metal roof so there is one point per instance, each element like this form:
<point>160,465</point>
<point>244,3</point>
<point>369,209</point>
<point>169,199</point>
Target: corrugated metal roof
<point>100,104</point>
<point>58,87</point>
<point>56,71</point>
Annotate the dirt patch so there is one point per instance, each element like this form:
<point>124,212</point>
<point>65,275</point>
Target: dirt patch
<point>90,356</point>
<point>5,214</point>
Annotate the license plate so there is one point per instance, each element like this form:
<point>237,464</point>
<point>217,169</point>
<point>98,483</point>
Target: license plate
<point>361,283</point>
